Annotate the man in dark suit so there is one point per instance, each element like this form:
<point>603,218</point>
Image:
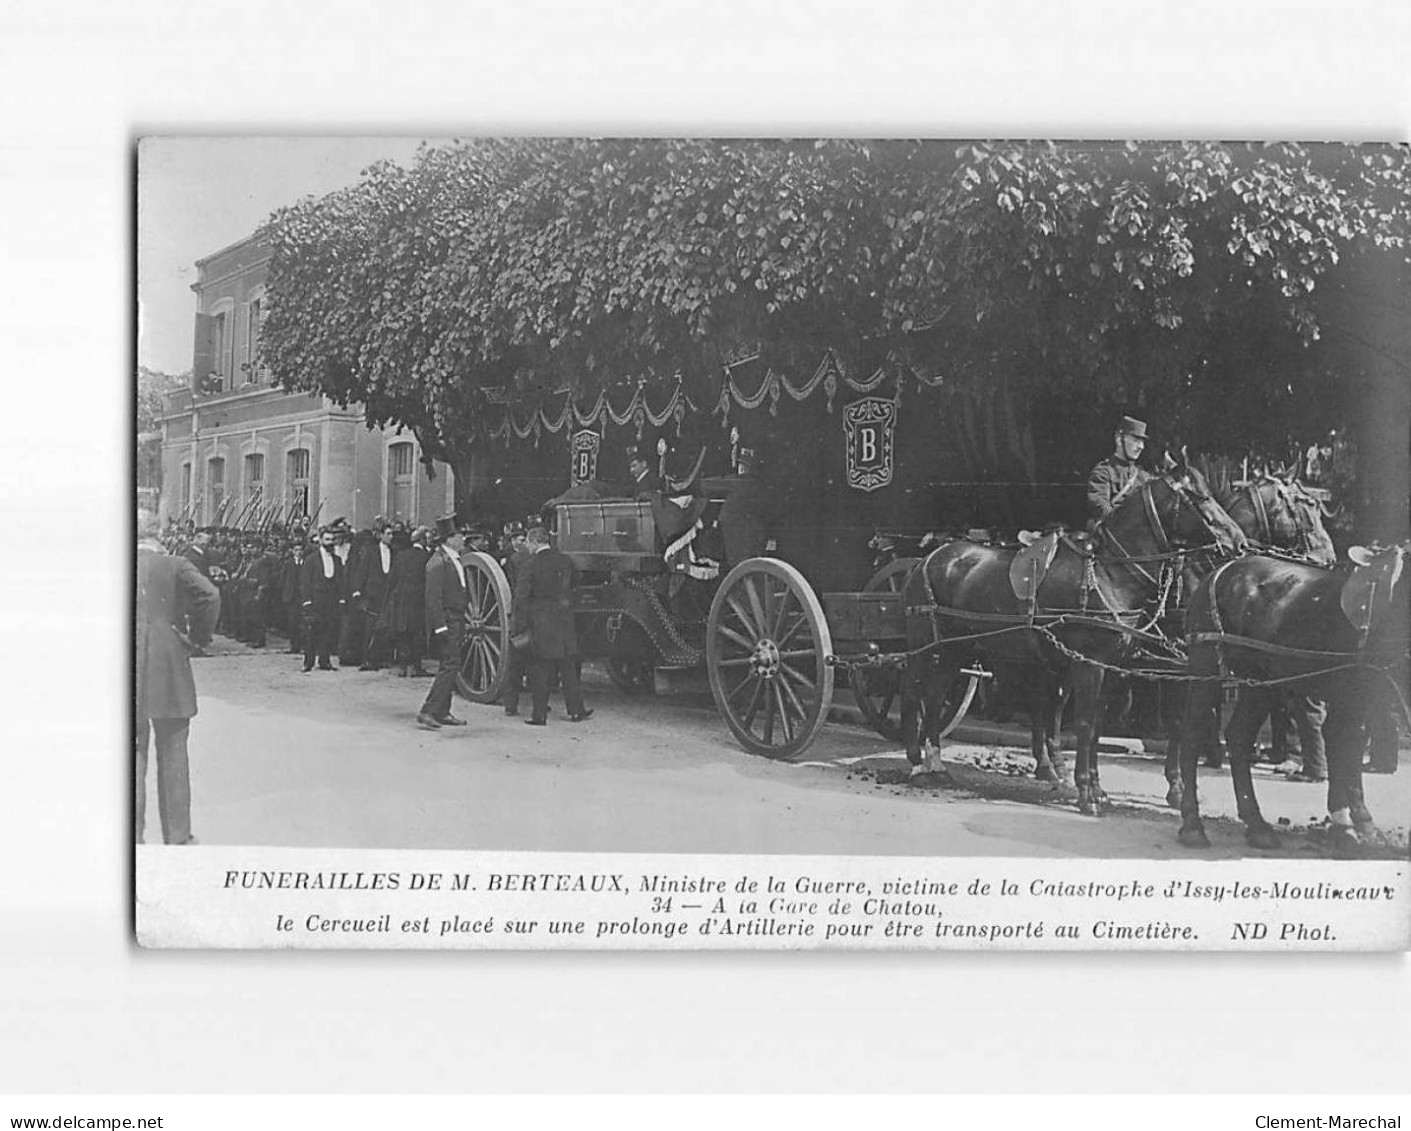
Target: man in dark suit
<point>321,600</point>
<point>645,482</point>
<point>371,575</point>
<point>291,568</point>
<point>176,613</point>
<point>516,659</point>
<point>404,611</point>
<point>198,553</point>
<point>445,623</point>
<point>543,607</point>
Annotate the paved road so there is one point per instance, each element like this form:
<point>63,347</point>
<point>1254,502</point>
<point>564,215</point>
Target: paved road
<point>333,759</point>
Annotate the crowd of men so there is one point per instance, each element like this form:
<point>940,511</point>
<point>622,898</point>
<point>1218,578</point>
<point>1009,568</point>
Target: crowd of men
<point>331,591</point>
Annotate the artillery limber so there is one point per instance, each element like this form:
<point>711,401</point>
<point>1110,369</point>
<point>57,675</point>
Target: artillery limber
<point>768,643</point>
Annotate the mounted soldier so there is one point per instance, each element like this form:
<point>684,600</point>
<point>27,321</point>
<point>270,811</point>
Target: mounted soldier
<point>1117,476</point>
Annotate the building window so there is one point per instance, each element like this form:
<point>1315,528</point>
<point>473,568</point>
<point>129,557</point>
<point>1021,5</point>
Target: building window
<point>401,481</point>
<point>215,487</point>
<point>297,477</point>
<point>220,343</point>
<point>185,489</point>
<point>254,478</point>
<point>252,343</point>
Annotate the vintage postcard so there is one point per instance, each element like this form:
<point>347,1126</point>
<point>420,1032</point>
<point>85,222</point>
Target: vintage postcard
<point>823,543</point>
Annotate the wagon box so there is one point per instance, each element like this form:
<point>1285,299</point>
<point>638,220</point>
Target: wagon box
<point>856,618</point>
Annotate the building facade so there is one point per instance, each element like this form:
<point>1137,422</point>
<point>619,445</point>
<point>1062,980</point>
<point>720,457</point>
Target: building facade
<point>233,444</point>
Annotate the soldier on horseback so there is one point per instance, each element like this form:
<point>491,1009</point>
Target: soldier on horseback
<point>1117,476</point>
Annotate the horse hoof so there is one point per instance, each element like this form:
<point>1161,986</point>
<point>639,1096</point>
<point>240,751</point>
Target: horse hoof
<point>1173,797</point>
<point>1344,842</point>
<point>1193,836</point>
<point>1264,837</point>
<point>1362,820</point>
<point>1087,808</point>
<point>1045,772</point>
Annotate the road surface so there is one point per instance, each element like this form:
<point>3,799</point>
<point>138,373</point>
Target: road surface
<point>333,759</point>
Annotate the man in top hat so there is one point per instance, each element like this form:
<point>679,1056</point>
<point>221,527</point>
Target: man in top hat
<point>746,518</point>
<point>645,481</point>
<point>1117,476</point>
<point>321,588</point>
<point>445,623</point>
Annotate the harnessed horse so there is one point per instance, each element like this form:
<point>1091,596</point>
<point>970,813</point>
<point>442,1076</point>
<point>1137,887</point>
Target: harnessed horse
<point>1275,513</point>
<point>1089,604</point>
<point>1325,632</point>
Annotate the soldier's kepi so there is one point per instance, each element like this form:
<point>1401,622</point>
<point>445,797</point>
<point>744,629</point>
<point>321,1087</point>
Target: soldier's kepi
<point>1117,476</point>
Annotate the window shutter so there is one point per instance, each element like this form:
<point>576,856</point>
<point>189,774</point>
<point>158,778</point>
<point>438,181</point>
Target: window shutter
<point>203,360</point>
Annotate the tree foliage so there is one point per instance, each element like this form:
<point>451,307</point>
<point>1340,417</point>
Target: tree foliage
<point>152,386</point>
<point>1172,276</point>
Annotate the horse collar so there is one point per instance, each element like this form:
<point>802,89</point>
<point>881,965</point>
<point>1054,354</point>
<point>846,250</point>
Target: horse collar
<point>1261,514</point>
<point>1163,542</point>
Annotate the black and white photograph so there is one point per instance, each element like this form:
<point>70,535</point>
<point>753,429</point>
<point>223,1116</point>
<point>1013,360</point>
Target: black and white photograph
<point>692,565</point>
<point>918,501</point>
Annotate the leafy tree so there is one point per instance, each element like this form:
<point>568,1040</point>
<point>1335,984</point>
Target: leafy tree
<point>152,386</point>
<point>1205,284</point>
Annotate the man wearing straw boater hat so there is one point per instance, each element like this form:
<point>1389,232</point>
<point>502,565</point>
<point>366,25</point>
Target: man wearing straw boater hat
<point>445,623</point>
<point>1117,476</point>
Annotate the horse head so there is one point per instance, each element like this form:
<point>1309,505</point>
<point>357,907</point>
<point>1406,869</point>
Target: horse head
<point>1191,513</point>
<point>1296,521</point>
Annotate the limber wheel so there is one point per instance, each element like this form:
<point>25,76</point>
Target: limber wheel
<point>487,629</point>
<point>766,648</point>
<point>878,690</point>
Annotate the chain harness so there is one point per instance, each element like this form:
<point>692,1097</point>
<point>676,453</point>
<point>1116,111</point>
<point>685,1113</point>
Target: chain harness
<point>1172,568</point>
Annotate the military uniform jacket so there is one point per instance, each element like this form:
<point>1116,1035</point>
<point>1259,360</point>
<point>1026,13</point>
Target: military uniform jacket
<point>543,605</point>
<point>445,595</point>
<point>172,596</point>
<point>405,607</point>
<point>1108,482</point>
<point>320,594</point>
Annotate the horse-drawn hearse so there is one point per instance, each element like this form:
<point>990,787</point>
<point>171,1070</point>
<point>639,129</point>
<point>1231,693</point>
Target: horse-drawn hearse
<point>1063,609</point>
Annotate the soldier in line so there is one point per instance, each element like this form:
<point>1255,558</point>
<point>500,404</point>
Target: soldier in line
<point>1114,478</point>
